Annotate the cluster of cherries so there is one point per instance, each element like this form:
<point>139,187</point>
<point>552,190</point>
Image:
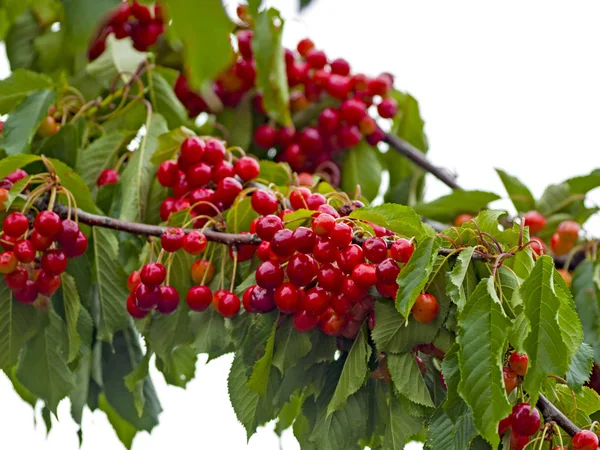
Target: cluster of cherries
<point>143,24</point>
<point>561,242</point>
<point>33,259</point>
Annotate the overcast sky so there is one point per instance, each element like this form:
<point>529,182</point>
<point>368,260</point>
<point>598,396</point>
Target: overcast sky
<point>510,84</point>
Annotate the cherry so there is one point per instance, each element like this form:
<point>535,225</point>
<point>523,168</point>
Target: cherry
<point>168,301</point>
<point>133,310</point>
<point>317,301</point>
<point>227,303</point>
<point>535,221</point>
<point>54,261</point>
<point>402,250</point>
<point>388,108</point>
<point>350,257</point>
<point>247,168</point>
<point>46,283</point>
<point>267,226</point>
<point>265,136</point>
<point>133,281</point>
<point>15,225</point>
<point>585,440</point>
<point>264,202</point>
<point>340,66</point>
<point>153,274</point>
<point>299,197</point>
<point>526,420</point>
<point>325,251</point>
<point>364,275</point>
<point>244,38</point>
<point>199,298</point>
<point>16,279</point>
<point>262,300</point>
<point>537,245</point>
<point>68,233</point>
<point>314,201</point>
<point>329,120</point>
<point>351,329</point>
<point>202,271</point>
<point>287,298</point>
<point>282,243</point>
<point>107,176</point>
<point>172,239</point>
<point>269,275</point>
<point>16,175</point>
<point>304,46</point>
<point>375,137</point>
<point>568,231</point>
<point>352,110</point>
<point>214,152</point>
<point>504,424</point>
<point>227,190</point>
<point>517,442</point>
<point>168,173</point>
<point>462,218</point>
<point>518,362</point>
<point>379,86</point>
<point>425,309</point>
<point>8,262</point>
<point>77,249</point>
<point>341,235</point>
<point>375,249</point>
<point>560,247</point>
<point>510,379</point>
<point>566,276</point>
<point>330,277</point>
<point>192,150</point>
<point>147,297</point>
<point>352,291</point>
<point>182,186</point>
<point>222,170</point>
<point>331,323</point>
<point>316,59</point>
<point>301,269</point>
<point>202,198</point>
<point>48,127</point>
<point>40,242</point>
<point>199,175</point>
<point>47,223</point>
<point>28,293</point>
<point>24,251</point>
<point>338,86</point>
<point>8,243</point>
<point>349,135</point>
<point>387,290</point>
<point>303,321</point>
<point>388,271</point>
<point>323,225</point>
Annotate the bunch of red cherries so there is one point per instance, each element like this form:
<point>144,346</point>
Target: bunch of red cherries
<point>142,23</point>
<point>561,242</point>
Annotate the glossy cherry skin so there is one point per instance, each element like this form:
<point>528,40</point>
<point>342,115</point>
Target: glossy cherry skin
<point>17,278</point>
<point>350,257</point>
<point>269,275</point>
<point>365,275</point>
<point>535,221</point>
<point>304,239</point>
<point>47,223</point>
<point>24,251</point>
<point>47,284</point>
<point>247,168</point>
<point>519,363</point>
<point>374,249</point>
<point>323,225</point>
<point>267,226</point>
<point>168,173</point>
<point>301,269</point>
<point>303,321</point>
<point>172,239</point>
<point>68,233</point>
<point>153,274</point>
<point>133,280</point>
<point>194,243</point>
<point>147,297</point>
<point>227,303</point>
<point>199,298</point>
<point>133,310</point>
<point>8,262</point>
<point>282,243</point>
<point>54,261</point>
<point>526,420</point>
<point>298,198</point>
<point>510,379</point>
<point>168,301</point>
<point>387,271</point>
<point>264,202</point>
<point>15,225</point>
<point>77,249</point>
<point>585,440</point>
<point>262,300</point>
<point>402,250</point>
<point>317,301</point>
<point>27,294</point>
<point>425,309</point>
<point>330,277</point>
<point>108,176</point>
<point>331,323</point>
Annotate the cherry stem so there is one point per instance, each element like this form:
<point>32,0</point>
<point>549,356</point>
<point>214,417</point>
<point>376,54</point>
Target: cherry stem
<point>235,260</point>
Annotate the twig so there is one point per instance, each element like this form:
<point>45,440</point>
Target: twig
<point>552,414</point>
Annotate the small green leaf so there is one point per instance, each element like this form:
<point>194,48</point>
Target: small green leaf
<point>134,381</point>
<point>14,162</point>
<point>100,155</point>
<point>354,373</point>
<point>519,194</point>
<point>482,336</point>
<point>290,346</point>
<point>361,167</point>
<point>446,208</point>
<point>414,275</point>
<point>238,122</point>
<point>81,19</point>
<point>456,277</point>
<point>400,425</point>
<point>18,85</point>
<point>297,218</point>
<point>125,431</point>
<point>181,367</point>
<point>398,218</point>
<point>240,216</point>
<point>24,120</point>
<point>271,78</point>
<point>260,373</point>
<point>72,309</point>
<point>165,101</point>
<point>119,59</point>
<point>169,144</point>
<point>274,173</point>
<point>580,367</point>
<point>210,334</point>
<point>407,378</point>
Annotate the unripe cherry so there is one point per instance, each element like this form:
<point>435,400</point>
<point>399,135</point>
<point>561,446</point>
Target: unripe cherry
<point>461,219</point>
<point>202,271</point>
<point>560,247</point>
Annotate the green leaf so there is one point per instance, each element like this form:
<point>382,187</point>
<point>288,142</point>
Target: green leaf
<point>204,29</point>
<point>584,184</point>
<point>274,173</point>
<point>260,373</point>
<point>361,167</point>
<point>18,324</point>
<point>166,102</point>
<point>580,367</point>
<point>519,194</point>
<point>21,390</point>
<point>240,216</point>
<point>169,144</point>
<point>81,19</point>
<point>407,378</point>
<point>181,367</point>
<point>210,334</point>
<point>43,365</point>
<point>238,122</point>
<point>24,120</point>
<point>271,78</point>
<point>134,381</point>
<point>444,434</point>
<point>586,403</point>
<point>138,174</point>
<point>290,346</point>
<point>555,198</point>
<point>125,431</point>
<point>398,218</point>
<point>585,297</point>
<point>119,59</point>
<point>14,162</point>
<point>354,373</point>
<point>20,83</point>
<point>400,425</point>
<point>111,281</point>
<point>293,219</point>
<point>482,336</point>
<point>72,309</point>
<point>456,277</point>
<point>446,208</point>
<point>15,191</point>
<point>100,155</point>
<point>548,353</point>
<point>19,41</point>
<point>414,276</point>
<point>65,144</point>
<point>79,395</point>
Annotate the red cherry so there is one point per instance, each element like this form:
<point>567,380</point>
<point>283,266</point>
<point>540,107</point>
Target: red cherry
<point>526,420</point>
<point>310,141</point>
<point>367,125</point>
<point>199,298</point>
<point>172,239</point>
<point>317,301</point>
<point>352,110</point>
<point>153,274</point>
<point>286,136</point>
<point>351,329</point>
<point>299,197</point>
<point>330,277</point>
<point>316,59</point>
<point>194,243</point>
<point>287,298</point>
<point>388,108</point>
<point>199,175</point>
<point>192,150</point>
<point>568,231</point>
<point>325,251</point>
<point>304,239</point>
<point>387,290</point>
<point>168,301</point>
<point>505,424</point>
<point>304,46</point>
<point>301,269</point>
<point>375,137</point>
<point>341,235</point>
<point>264,202</point>
<point>47,223</point>
<point>535,221</point>
<point>375,249</point>
<point>27,294</point>
<point>462,218</point>
<point>16,175</point>
<point>181,187</point>
<point>282,243</point>
<point>338,86</point>
<point>54,261</point>
<point>379,86</point>
<point>350,257</point>
<point>315,200</point>
<point>519,363</point>
<point>228,304</point>
<point>244,38</point>
<point>510,379</point>
<point>352,291</point>
<point>303,321</point>
<point>68,233</point>
<point>24,251</point>
<point>364,275</point>
<point>323,225</point>
<point>341,304</point>
<point>227,191</point>
<point>331,323</point>
<point>402,250</point>
<point>15,225</point>
<point>203,198</point>
<point>349,136</point>
<point>133,310</point>
<point>269,275</point>
<point>537,245</point>
<point>133,281</point>
<point>517,442</point>
<point>265,136</point>
<point>560,247</point>
<point>46,283</point>
<point>40,242</point>
<point>329,120</point>
<point>168,173</point>
<point>214,152</point>
<point>202,271</point>
<point>147,297</point>
<point>340,67</point>
<point>585,440</point>
<point>79,248</point>
<point>264,251</point>
<point>16,279</point>
<point>425,309</point>
<point>107,176</point>
<point>247,168</point>
<point>267,226</point>
<point>262,300</point>
<point>222,170</point>
<point>387,271</point>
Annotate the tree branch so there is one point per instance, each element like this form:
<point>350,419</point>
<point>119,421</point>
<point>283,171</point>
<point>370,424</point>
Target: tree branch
<point>553,414</point>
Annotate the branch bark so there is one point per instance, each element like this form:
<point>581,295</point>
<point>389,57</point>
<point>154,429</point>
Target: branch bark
<point>552,413</point>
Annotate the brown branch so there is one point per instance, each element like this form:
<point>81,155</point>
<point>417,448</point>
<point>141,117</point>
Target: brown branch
<point>552,414</point>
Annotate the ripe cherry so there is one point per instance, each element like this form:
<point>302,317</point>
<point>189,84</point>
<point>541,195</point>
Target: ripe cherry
<point>323,225</point>
<point>330,277</point>
<point>341,235</point>
<point>314,201</point>
<point>299,197</point>
<point>168,301</point>
<point>526,420</point>
<point>227,191</point>
<point>282,243</point>
<point>78,248</point>
<point>388,108</point>
<point>228,304</point>
<point>54,261</point>
<point>192,150</point>
<point>329,120</point>
<point>380,85</point>
<point>269,275</point>
<point>24,251</point>
<point>535,221</point>
<point>560,247</point>
<point>47,223</point>
<point>133,280</point>
<point>388,271</point>
<point>537,245</point>
<point>364,275</point>
<point>244,38</point>
<point>568,231</point>
<point>325,251</point>
<point>338,86</point>
<point>425,309</point>
<point>262,300</point>
<point>331,323</point>
<point>462,218</point>
<point>517,441</point>
<point>172,239</point>
<point>153,274</point>
<point>510,379</point>
<point>265,136</point>
<point>15,225</point>
<point>46,283</point>
<point>301,269</point>
<point>304,239</point>
<point>16,279</point>
<point>267,226</point>
<point>147,297</point>
<point>317,301</point>
<point>352,291</point>
<point>504,424</point>
<point>40,242</point>
<point>214,152</point>
<point>222,170</point>
<point>387,290</point>
<point>585,440</point>
<point>350,257</point>
<point>352,110</point>
<point>304,46</point>
<point>68,233</point>
<point>519,363</point>
<point>402,250</point>
<point>199,298</point>
<point>194,243</point>
<point>199,175</point>
<point>133,310</point>
<point>340,66</point>
<point>168,173</point>
<point>27,294</point>
<point>247,168</point>
<point>108,176</point>
<point>202,271</point>
<point>264,202</point>
<point>374,249</point>
<point>341,304</point>
<point>287,298</point>
<point>303,321</point>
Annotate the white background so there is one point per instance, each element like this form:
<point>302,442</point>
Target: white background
<point>510,84</point>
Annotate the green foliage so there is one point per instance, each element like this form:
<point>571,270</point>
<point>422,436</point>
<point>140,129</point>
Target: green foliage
<point>448,207</point>
<point>362,169</point>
